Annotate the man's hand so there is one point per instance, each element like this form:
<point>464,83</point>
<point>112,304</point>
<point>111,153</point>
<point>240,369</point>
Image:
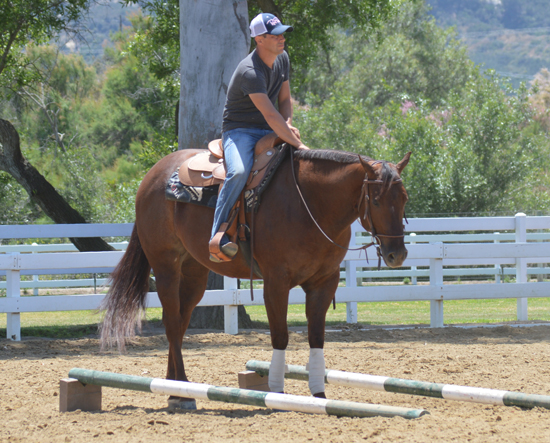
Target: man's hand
<point>297,134</point>
<point>275,120</point>
<point>294,130</point>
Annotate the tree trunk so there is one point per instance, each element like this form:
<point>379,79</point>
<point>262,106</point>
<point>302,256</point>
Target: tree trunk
<point>212,317</point>
<point>39,189</point>
<point>214,38</point>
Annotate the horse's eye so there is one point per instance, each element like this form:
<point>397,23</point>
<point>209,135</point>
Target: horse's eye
<point>376,202</point>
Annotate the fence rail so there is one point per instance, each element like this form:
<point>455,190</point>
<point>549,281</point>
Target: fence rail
<point>490,248</point>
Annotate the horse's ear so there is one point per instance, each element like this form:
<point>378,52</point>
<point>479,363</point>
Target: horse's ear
<point>401,165</point>
<point>369,170</point>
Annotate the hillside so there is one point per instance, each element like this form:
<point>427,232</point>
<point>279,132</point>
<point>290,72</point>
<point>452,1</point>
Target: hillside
<point>103,20</point>
<point>510,36</point>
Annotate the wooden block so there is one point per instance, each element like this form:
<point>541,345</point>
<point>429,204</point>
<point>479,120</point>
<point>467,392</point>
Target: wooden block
<point>251,380</point>
<point>74,395</point>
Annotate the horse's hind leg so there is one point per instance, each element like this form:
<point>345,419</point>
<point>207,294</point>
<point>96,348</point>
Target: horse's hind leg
<point>176,318</point>
<point>181,283</point>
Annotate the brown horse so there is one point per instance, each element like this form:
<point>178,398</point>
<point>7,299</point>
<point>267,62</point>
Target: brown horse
<point>290,249</point>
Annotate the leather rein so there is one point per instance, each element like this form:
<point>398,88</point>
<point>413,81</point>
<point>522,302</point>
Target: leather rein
<point>363,198</point>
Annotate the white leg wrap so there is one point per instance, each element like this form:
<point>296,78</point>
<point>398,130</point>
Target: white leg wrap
<point>277,371</point>
<point>316,370</point>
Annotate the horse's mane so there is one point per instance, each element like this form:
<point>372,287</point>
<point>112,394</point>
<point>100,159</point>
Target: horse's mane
<point>388,174</point>
<point>342,157</point>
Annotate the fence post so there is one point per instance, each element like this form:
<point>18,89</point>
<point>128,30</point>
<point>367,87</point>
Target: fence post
<point>35,276</point>
<point>231,312</point>
<point>413,268</point>
<point>497,266</point>
<point>13,290</point>
<point>351,282</point>
<point>436,278</point>
<point>521,265</point>
<point>540,277</point>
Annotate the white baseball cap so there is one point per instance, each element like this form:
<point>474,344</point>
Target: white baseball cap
<point>267,24</point>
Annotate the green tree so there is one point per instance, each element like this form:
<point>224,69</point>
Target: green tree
<point>66,82</point>
<point>541,99</point>
<point>314,22</point>
<point>408,56</point>
<point>157,43</point>
<point>413,88</point>
<point>21,23</point>
<point>14,202</point>
<point>469,155</point>
<point>38,21</point>
<point>35,21</point>
<point>100,121</point>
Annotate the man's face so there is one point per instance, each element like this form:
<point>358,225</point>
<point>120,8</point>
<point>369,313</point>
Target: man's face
<point>274,43</point>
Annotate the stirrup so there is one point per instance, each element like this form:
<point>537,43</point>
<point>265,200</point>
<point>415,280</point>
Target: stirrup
<point>225,253</point>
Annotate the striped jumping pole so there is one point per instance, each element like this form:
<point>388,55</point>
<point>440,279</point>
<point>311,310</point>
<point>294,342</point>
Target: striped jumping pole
<point>272,400</point>
<point>413,387</point>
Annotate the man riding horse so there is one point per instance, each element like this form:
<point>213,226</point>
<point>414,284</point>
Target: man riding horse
<point>260,80</point>
<point>307,214</point>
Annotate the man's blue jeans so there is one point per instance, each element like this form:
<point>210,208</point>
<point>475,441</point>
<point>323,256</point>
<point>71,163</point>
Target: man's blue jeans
<point>238,149</point>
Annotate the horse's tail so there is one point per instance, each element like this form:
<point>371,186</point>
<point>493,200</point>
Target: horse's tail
<point>125,302</point>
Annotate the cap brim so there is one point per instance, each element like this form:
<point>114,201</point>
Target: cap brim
<point>278,30</point>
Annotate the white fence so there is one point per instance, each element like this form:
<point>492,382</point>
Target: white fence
<point>435,255</point>
<point>36,283</point>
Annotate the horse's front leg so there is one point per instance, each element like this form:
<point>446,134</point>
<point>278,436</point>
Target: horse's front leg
<point>319,296</point>
<point>276,305</point>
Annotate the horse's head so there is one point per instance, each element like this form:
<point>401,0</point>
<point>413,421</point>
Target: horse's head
<point>382,207</point>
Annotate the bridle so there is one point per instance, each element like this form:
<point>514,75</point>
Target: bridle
<point>364,198</point>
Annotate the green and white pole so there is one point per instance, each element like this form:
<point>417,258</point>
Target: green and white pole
<point>413,387</point>
<point>271,400</point>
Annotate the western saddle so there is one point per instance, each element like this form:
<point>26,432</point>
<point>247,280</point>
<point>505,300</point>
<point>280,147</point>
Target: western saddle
<point>208,168</point>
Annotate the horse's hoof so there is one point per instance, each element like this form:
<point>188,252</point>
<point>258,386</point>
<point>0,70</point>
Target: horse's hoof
<point>320,395</point>
<point>180,403</point>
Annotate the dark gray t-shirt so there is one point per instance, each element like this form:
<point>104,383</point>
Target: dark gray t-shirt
<point>253,76</point>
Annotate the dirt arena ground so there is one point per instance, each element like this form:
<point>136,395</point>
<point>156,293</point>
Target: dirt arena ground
<point>504,357</point>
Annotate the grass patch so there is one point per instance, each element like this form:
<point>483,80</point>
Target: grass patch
<point>75,324</point>
<point>418,312</point>
<point>64,324</point>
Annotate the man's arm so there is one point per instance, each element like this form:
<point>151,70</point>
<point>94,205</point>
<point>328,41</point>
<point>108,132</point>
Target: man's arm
<point>285,107</point>
<point>275,119</point>
<point>285,104</point>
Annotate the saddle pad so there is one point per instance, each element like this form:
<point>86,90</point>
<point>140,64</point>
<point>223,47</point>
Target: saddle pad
<point>198,195</point>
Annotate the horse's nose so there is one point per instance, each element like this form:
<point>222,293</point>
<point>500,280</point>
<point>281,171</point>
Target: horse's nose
<point>395,259</point>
